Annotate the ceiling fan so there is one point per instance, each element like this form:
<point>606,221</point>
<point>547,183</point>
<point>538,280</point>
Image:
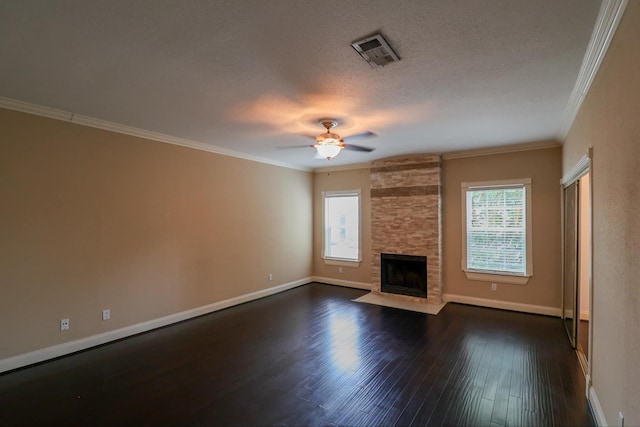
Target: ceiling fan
<point>328,144</point>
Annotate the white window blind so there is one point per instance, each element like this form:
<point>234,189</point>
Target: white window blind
<point>342,225</point>
<point>496,227</point>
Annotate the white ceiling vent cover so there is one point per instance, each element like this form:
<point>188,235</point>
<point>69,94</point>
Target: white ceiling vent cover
<point>375,50</point>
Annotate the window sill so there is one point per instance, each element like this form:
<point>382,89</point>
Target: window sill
<point>496,277</point>
<point>341,262</point>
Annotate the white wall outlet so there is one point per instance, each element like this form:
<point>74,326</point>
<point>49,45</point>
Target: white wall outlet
<point>64,324</point>
<point>620,419</point>
<point>494,286</point>
<point>339,269</point>
<point>106,314</point>
<point>270,276</point>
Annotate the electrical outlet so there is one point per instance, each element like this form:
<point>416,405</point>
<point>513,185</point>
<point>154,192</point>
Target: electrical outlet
<point>620,419</point>
<point>270,276</point>
<point>106,314</point>
<point>494,286</point>
<point>339,269</point>
<point>64,324</point>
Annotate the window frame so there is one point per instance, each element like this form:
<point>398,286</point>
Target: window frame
<point>344,262</point>
<point>491,275</point>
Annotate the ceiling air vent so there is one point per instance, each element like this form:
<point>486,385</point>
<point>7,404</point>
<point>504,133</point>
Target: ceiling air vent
<point>375,50</point>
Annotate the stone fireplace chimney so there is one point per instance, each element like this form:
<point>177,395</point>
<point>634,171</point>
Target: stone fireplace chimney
<point>406,217</point>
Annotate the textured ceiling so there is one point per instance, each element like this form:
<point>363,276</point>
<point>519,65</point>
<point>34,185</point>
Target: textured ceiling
<point>250,76</point>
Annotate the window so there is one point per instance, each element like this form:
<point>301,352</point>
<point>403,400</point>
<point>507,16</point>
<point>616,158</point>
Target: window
<point>496,238</point>
<point>341,237</point>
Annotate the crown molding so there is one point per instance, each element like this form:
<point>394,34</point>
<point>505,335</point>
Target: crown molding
<point>609,17</point>
<point>502,149</point>
<point>577,170</point>
<point>38,110</point>
<point>66,116</point>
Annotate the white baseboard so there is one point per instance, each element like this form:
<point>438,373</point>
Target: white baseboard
<point>504,305</point>
<point>596,408</point>
<point>41,355</point>
<point>340,282</point>
<point>568,314</point>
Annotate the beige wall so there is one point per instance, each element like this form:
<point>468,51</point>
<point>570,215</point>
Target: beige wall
<point>91,220</point>
<point>609,121</point>
<point>543,167</point>
<point>355,179</point>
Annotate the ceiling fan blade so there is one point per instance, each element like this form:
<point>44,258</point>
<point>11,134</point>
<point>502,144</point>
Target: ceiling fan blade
<point>291,147</point>
<point>357,148</point>
<point>367,134</point>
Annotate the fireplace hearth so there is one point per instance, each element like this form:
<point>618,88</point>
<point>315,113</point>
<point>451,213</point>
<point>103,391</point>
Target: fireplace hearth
<point>403,274</point>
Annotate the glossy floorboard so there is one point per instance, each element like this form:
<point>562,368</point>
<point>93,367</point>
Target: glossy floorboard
<point>311,356</point>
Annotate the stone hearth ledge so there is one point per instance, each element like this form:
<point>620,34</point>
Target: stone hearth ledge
<point>378,299</point>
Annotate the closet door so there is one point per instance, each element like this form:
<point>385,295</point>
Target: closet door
<point>570,274</point>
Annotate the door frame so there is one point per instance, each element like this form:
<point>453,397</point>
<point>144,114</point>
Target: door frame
<point>582,167</point>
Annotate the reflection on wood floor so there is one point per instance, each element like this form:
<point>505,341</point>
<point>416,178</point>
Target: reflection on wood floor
<point>311,356</point>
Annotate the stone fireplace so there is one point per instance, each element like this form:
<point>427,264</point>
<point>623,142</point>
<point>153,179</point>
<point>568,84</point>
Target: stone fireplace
<point>406,221</point>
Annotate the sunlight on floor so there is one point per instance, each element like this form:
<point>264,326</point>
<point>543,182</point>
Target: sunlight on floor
<point>345,341</point>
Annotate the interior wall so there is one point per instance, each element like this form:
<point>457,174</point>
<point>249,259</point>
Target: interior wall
<point>353,179</point>
<point>543,166</point>
<point>609,122</point>
<point>93,220</point>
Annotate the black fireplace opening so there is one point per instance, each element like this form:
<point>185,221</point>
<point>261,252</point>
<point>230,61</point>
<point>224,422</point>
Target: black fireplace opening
<point>404,274</point>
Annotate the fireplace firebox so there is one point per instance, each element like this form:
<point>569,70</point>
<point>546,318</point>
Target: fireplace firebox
<point>403,274</point>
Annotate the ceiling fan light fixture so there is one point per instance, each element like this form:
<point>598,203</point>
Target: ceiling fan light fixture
<point>328,138</point>
<point>329,144</point>
<point>328,151</point>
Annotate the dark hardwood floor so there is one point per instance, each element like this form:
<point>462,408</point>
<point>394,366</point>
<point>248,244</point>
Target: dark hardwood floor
<point>311,356</point>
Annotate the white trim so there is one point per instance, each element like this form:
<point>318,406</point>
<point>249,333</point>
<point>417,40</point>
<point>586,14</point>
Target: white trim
<point>38,110</point>
<point>496,276</point>
<point>509,279</point>
<point>598,414</point>
<point>343,283</point>
<point>582,359</point>
<point>504,305</point>
<point>345,262</point>
<point>568,314</point>
<point>504,183</point>
<point>330,193</point>
<point>105,337</point>
<point>341,262</point>
<point>582,315</point>
<point>502,149</point>
<point>607,22</point>
<point>576,171</point>
<point>53,113</point>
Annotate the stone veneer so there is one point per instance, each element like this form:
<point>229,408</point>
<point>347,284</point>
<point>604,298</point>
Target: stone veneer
<point>406,216</point>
